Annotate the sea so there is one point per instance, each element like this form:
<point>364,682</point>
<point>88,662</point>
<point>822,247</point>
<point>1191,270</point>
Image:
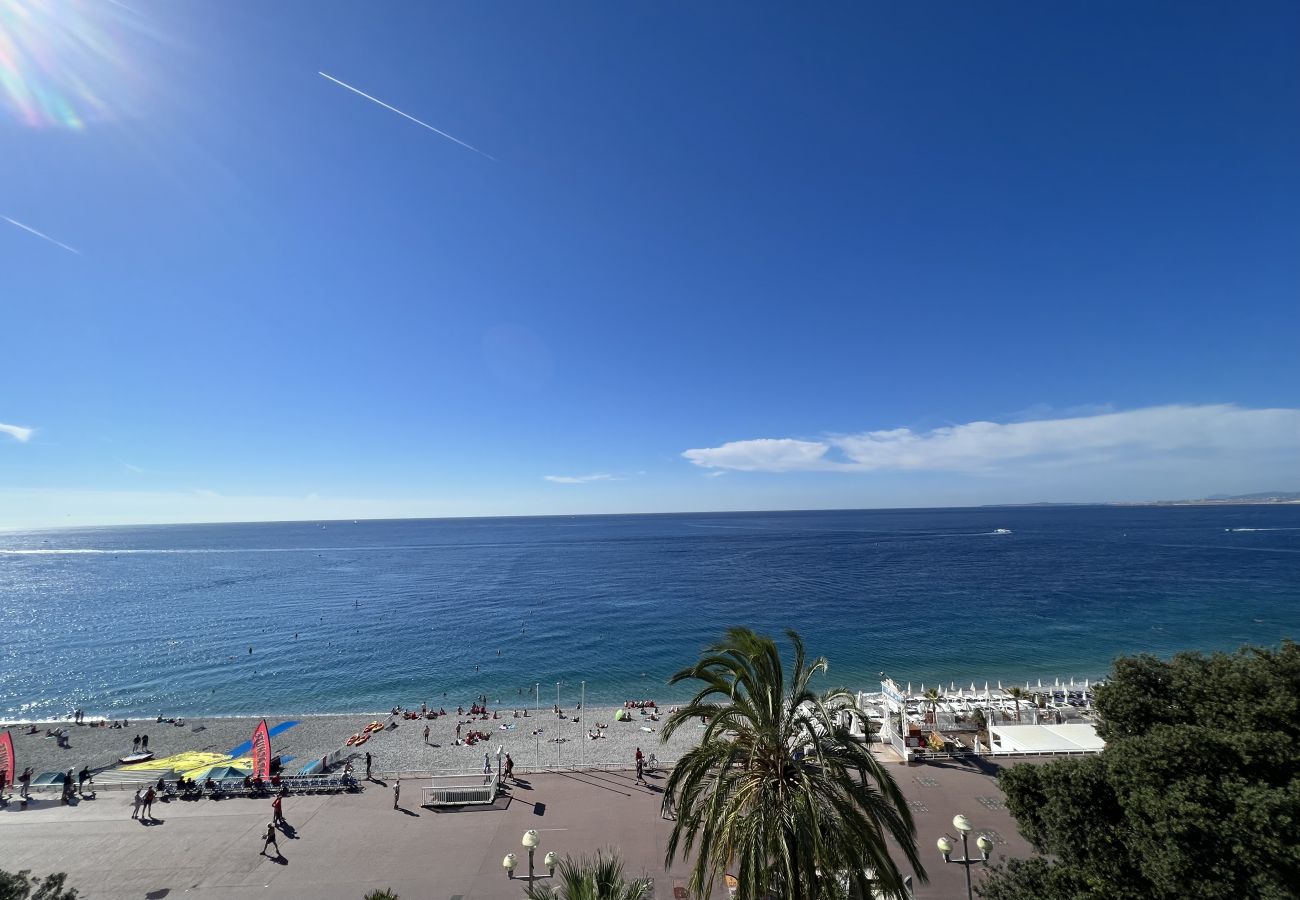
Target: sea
<point>322,617</point>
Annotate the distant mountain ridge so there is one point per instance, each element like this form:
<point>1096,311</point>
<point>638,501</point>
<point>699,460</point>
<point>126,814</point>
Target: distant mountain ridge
<point>1262,495</point>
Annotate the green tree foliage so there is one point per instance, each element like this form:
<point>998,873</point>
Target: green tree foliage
<point>1017,693</point>
<point>22,886</point>
<point>932,698</point>
<point>385,894</point>
<point>1197,794</point>
<point>600,878</point>
<point>777,792</point>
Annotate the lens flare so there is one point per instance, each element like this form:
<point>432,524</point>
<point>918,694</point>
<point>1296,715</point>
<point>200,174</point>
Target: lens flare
<point>63,63</point>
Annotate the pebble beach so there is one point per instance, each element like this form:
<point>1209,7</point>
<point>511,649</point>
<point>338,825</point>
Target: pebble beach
<point>400,749</point>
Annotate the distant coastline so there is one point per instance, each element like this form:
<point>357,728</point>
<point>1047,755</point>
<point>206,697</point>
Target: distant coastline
<point>1264,498</point>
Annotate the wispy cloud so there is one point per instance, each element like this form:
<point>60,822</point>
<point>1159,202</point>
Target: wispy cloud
<point>406,116</point>
<point>580,479</point>
<point>136,469</point>
<point>17,432</point>
<point>41,235</point>
<point>1216,431</point>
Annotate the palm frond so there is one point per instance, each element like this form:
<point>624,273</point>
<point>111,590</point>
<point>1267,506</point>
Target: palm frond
<point>777,791</point>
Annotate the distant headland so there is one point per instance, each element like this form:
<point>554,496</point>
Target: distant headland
<point>1263,498</point>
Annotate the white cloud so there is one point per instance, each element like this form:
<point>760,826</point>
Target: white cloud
<point>136,469</point>
<point>579,479</point>
<point>17,432</point>
<point>1220,431</point>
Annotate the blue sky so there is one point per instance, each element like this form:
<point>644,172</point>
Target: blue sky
<point>722,256</point>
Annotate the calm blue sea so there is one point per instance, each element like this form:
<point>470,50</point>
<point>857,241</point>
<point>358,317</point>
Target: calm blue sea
<point>345,617</point>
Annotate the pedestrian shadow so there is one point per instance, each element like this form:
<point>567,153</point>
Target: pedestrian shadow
<point>289,831</point>
<point>280,859</point>
<point>408,811</point>
<point>150,820</point>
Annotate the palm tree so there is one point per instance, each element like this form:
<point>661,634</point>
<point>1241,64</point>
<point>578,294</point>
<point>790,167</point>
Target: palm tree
<point>1017,693</point>
<point>931,697</point>
<point>591,879</point>
<point>776,787</point>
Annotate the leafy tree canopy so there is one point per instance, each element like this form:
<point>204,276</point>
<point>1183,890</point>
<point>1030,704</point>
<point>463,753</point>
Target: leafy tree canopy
<point>1197,794</point>
<point>22,886</point>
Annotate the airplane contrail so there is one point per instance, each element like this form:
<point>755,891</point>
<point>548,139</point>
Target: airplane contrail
<point>404,115</point>
<point>39,235</point>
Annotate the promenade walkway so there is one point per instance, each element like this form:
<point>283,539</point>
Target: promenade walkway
<point>344,845</point>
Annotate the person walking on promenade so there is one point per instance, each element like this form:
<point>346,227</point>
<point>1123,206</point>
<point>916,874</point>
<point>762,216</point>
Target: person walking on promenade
<point>510,768</point>
<point>397,792</point>
<point>135,744</point>
<point>26,779</point>
<point>487,769</point>
<point>270,840</point>
<point>277,810</point>
<point>144,743</point>
<point>82,776</point>
<point>135,807</point>
<point>4,779</point>
<point>640,771</point>
<point>367,765</point>
<point>149,796</point>
<point>426,735</point>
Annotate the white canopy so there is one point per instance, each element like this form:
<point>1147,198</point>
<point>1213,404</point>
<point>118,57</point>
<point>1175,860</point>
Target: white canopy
<point>1068,738</point>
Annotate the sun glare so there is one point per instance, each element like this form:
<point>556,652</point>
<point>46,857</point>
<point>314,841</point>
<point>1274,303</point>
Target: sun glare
<point>64,63</point>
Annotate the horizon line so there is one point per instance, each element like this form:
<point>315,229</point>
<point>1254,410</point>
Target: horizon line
<point>715,512</point>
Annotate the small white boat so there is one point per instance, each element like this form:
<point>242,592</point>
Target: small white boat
<point>1001,530</point>
<point>132,758</point>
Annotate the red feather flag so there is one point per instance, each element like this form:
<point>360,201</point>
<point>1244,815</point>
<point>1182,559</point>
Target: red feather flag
<point>261,751</point>
<point>7,757</point>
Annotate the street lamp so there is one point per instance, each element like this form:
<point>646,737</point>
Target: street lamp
<point>551,859</point>
<point>530,841</point>
<point>509,864</point>
<point>945,844</point>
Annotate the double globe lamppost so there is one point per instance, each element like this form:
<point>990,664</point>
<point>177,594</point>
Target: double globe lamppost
<point>530,841</point>
<point>963,826</point>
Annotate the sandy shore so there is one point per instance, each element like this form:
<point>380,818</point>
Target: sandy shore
<point>401,749</point>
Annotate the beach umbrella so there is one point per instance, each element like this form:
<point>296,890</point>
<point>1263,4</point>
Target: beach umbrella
<point>952,685</point>
<point>999,684</point>
<point>972,687</point>
<point>909,688</point>
<point>1085,684</point>
<point>1058,681</point>
<point>1071,681</point>
<point>1040,683</point>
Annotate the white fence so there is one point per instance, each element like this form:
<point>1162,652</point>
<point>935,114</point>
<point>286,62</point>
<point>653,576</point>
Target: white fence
<point>461,793</point>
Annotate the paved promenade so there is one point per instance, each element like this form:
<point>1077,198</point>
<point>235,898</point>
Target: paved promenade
<point>345,845</point>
